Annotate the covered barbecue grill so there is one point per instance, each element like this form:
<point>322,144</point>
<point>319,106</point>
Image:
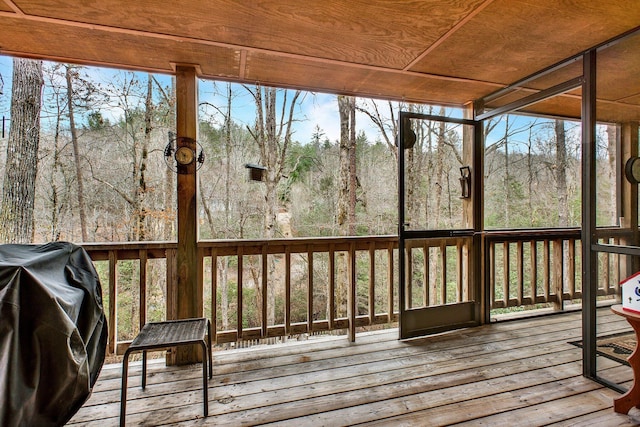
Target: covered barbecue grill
<point>53,332</point>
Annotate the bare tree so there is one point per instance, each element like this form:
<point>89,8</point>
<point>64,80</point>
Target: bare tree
<point>344,106</point>
<point>18,195</point>
<point>561,173</point>
<point>76,151</point>
<point>272,133</point>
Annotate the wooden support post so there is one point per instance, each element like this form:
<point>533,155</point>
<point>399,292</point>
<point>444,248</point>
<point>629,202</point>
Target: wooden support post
<point>629,197</point>
<point>189,293</point>
<point>473,217</point>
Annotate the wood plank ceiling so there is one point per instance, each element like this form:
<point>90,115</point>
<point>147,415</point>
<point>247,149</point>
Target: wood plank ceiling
<point>436,51</point>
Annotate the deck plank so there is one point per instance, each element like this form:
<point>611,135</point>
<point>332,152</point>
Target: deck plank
<point>480,376</point>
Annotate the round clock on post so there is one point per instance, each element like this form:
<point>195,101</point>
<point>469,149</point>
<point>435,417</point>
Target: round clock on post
<point>184,156</point>
<point>632,170</point>
<point>178,156</point>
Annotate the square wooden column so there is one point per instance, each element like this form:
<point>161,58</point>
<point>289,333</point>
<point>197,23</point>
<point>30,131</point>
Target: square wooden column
<point>188,292</point>
<point>629,197</point>
<point>473,213</point>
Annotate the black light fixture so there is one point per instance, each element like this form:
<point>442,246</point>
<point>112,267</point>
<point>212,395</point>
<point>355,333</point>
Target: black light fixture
<point>177,157</point>
<point>256,172</point>
<point>465,182</point>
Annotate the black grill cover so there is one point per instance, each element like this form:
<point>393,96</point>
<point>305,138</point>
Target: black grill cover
<point>53,332</point>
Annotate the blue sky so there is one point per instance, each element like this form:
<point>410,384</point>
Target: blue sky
<point>318,109</point>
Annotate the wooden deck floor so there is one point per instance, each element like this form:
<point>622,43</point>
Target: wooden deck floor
<point>520,373</point>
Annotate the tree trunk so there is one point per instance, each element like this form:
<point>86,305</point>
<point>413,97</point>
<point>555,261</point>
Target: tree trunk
<point>342,216</point>
<point>76,155</point>
<point>345,145</point>
<point>224,262</point>
<point>58,203</point>
<point>18,195</point>
<point>352,166</point>
<point>561,174</point>
<point>169,176</point>
<point>507,177</point>
<point>439,172</point>
<point>273,137</point>
<point>437,210</point>
<point>146,142</point>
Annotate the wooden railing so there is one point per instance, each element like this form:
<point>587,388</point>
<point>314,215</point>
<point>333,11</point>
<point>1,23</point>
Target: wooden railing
<point>262,289</point>
<point>439,271</point>
<point>542,267</point>
<point>300,286</point>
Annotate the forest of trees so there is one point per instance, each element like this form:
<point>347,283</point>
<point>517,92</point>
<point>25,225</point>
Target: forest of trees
<point>82,156</point>
<point>101,173</point>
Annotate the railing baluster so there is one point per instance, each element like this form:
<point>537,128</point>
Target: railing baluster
<point>214,294</point>
<point>352,292</point>
<point>492,273</point>
<point>390,284</point>
<point>372,282</point>
<point>534,270</point>
<point>240,285</point>
<point>520,271</point>
<point>433,284</point>
<point>287,290</point>
<point>460,271</point>
<point>558,268</point>
<point>606,271</point>
<point>331,315</point>
<point>310,292</point>
<point>409,277</point>
<point>265,293</point>
<point>142,308</point>
<point>443,273</point>
<point>546,271</point>
<point>425,277</point>
<point>571,268</point>
<point>506,264</point>
<point>113,302</point>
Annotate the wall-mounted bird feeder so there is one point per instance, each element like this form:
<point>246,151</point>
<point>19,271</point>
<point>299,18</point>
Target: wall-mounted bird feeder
<point>256,172</point>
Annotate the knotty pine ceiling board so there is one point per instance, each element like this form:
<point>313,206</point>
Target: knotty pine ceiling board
<point>617,112</point>
<point>95,47</point>
<point>618,70</point>
<point>357,49</point>
<point>511,39</point>
<point>336,78</point>
<point>383,33</point>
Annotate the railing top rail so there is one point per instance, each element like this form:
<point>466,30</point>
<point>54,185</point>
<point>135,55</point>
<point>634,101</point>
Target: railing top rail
<point>297,245</point>
<point>296,240</point>
<point>532,234</point>
<point>155,249</point>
